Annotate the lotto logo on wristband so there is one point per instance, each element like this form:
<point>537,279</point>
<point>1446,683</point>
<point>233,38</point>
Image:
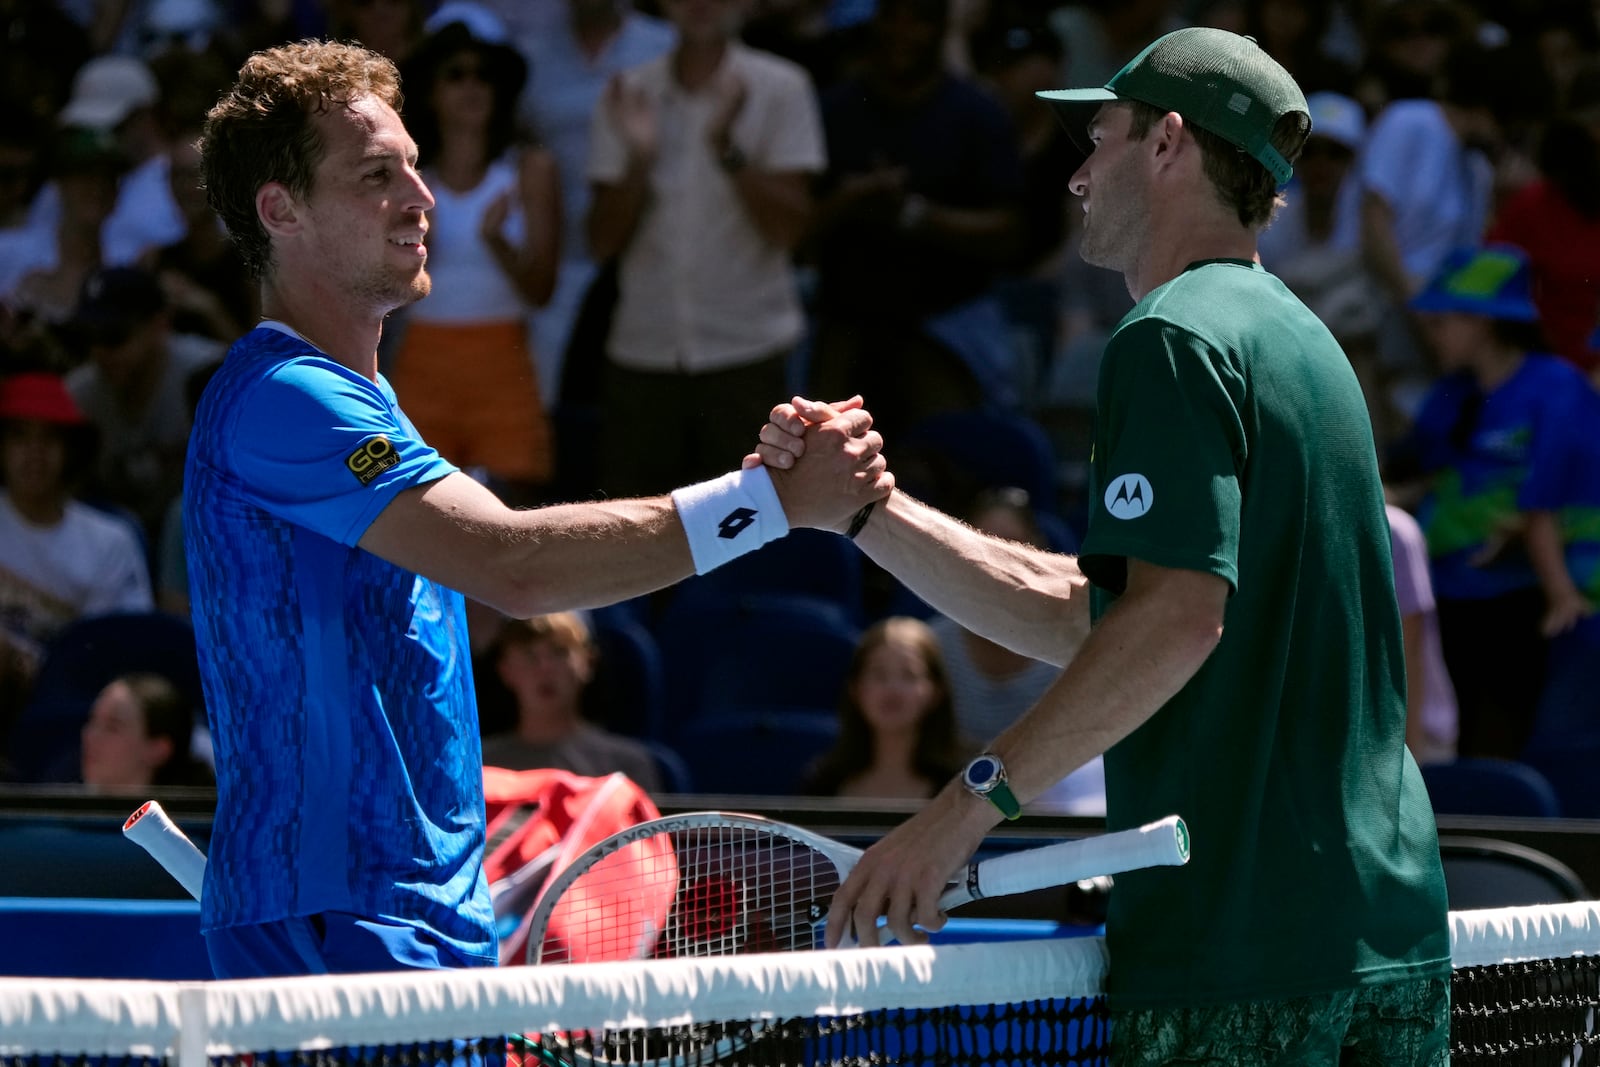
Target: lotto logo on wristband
<point>735,523</point>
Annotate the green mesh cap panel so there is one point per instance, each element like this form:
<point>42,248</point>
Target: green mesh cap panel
<point>1217,80</point>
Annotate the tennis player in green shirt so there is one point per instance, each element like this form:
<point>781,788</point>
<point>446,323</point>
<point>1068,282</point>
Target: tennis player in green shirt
<point>1229,634</point>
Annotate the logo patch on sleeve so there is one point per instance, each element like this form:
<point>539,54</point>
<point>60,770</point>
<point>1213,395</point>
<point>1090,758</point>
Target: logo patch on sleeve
<point>375,455</point>
<point>1129,496</point>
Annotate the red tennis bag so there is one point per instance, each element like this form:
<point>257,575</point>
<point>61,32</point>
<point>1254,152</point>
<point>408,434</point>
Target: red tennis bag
<point>539,821</point>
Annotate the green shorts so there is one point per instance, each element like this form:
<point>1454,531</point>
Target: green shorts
<point>1397,1024</point>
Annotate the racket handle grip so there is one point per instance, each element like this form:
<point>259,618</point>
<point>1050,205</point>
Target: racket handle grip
<point>150,828</point>
<point>1164,843</point>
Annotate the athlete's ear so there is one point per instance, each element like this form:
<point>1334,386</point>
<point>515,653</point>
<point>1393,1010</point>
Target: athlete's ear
<point>278,209</point>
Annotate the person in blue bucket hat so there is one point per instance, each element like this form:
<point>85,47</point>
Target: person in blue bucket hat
<point>1489,462</point>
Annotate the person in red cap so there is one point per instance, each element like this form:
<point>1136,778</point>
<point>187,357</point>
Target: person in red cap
<point>59,558</point>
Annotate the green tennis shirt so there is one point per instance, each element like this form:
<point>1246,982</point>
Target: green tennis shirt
<point>1232,438</point>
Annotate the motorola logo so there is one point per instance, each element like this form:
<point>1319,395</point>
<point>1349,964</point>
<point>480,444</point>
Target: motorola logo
<point>1129,496</point>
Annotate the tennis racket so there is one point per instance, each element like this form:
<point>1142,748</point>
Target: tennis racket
<point>718,883</point>
<point>152,829</point>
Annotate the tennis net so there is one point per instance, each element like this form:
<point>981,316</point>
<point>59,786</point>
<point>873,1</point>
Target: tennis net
<point>1526,991</point>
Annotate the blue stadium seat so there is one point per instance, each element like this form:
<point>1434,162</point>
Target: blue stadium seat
<point>77,664</point>
<point>782,651</point>
<point>1489,787</point>
<point>1485,872</point>
<point>947,458</point>
<point>812,563</point>
<point>755,750</point>
<point>629,691</point>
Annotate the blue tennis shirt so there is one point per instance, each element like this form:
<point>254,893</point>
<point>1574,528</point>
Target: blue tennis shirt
<point>338,686</point>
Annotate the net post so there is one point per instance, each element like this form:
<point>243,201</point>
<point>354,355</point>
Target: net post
<point>194,1026</point>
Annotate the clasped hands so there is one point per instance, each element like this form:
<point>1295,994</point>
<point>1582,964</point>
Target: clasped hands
<point>826,461</point>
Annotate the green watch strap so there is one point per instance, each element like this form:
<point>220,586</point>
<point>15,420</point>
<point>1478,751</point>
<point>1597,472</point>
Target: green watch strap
<point>1003,798</point>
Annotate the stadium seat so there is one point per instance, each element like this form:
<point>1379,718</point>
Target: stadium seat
<point>1485,872</point>
<point>1572,772</point>
<point>675,774</point>
<point>1489,787</point>
<point>755,750</point>
<point>811,563</point>
<point>947,458</point>
<point>783,651</point>
<point>628,695</point>
<point>77,664</point>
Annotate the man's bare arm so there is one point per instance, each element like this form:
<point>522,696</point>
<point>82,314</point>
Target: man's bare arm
<point>1031,600</point>
<point>526,563</point>
<point>1146,648</point>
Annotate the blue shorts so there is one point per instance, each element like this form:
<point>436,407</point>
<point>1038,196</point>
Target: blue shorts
<point>337,942</point>
<point>333,942</point>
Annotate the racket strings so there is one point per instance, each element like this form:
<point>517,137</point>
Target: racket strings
<point>742,890</point>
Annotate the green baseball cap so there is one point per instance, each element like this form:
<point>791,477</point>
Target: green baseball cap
<point>1220,81</point>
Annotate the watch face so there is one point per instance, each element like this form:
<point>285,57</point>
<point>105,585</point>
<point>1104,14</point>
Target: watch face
<point>982,771</point>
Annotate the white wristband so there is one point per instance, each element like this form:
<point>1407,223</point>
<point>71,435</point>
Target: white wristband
<point>729,516</point>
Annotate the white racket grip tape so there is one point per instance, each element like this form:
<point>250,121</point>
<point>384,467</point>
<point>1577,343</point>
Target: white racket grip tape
<point>151,829</point>
<point>1164,843</point>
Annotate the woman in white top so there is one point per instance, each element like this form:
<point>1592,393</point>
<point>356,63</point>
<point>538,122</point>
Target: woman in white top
<point>464,373</point>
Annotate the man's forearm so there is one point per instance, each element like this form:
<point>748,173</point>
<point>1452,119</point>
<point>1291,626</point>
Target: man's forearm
<point>1146,648</point>
<point>1032,601</point>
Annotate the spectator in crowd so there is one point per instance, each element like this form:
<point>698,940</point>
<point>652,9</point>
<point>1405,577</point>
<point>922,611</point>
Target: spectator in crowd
<point>392,28</point>
<point>59,558</point>
<point>1492,436</point>
<point>120,96</point>
<point>990,685</point>
<point>1314,245</point>
<point>1566,736</point>
<point>1556,221</point>
<point>1426,183</point>
<point>1430,698</point>
<point>46,266</point>
<point>133,390</point>
<point>464,373</point>
<point>545,663</point>
<point>897,728</point>
<point>207,288</point>
<point>574,48</point>
<point>22,163</point>
<point>1408,48</point>
<point>40,49</point>
<point>918,211</point>
<point>138,735</point>
<point>701,162</point>
<point>1303,35</point>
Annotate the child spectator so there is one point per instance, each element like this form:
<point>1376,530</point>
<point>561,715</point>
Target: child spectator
<point>545,663</point>
<point>897,726</point>
<point>1491,434</point>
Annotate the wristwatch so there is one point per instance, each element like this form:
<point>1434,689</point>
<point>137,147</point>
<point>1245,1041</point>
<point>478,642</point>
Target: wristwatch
<point>985,777</point>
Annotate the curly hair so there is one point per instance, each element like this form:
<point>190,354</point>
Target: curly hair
<point>1242,183</point>
<point>261,130</point>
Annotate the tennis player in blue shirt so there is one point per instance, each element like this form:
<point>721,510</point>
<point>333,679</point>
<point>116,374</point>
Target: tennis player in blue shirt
<point>329,549</point>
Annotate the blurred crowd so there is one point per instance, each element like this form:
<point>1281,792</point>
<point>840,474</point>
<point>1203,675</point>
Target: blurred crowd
<point>654,221</point>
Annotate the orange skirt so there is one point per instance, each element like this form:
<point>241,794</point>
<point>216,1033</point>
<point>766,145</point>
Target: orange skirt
<point>473,394</point>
